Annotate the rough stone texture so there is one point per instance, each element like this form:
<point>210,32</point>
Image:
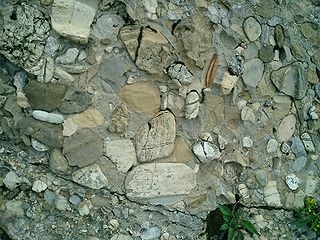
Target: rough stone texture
<point>192,105</point>
<point>44,96</point>
<point>90,176</point>
<point>151,52</point>
<point>48,117</point>
<point>83,148</point>
<point>206,151</point>
<point>141,97</point>
<point>57,162</point>
<point>156,138</point>
<point>48,134</point>
<point>145,182</point>
<point>228,83</point>
<point>253,70</point>
<point>290,80</point>
<point>125,158</point>
<point>90,118</point>
<point>73,18</point>
<point>119,119</point>
<point>23,32</point>
<point>75,103</point>
<point>271,194</point>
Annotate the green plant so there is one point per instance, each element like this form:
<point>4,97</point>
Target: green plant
<point>309,215</point>
<point>235,222</point>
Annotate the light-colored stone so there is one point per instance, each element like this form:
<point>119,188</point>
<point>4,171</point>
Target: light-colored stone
<point>271,194</point>
<point>192,105</point>
<point>311,185</point>
<point>39,146</point>
<point>252,28</point>
<point>12,180</point>
<point>228,83</point>
<point>160,183</point>
<point>61,202</point>
<point>90,176</point>
<point>122,154</point>
<point>69,127</point>
<point>253,70</point>
<point>206,151</point>
<point>68,57</point>
<point>247,142</point>
<point>292,181</point>
<point>308,143</point>
<point>90,118</point>
<point>39,186</point>
<point>247,114</point>
<point>141,97</point>
<point>22,100</point>
<point>72,18</point>
<point>286,128</point>
<point>272,145</point>
<point>48,117</point>
<point>156,139</point>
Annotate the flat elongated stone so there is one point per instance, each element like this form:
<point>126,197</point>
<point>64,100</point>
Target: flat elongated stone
<point>286,128</point>
<point>156,139</point>
<point>48,117</point>
<point>72,18</point>
<point>90,176</point>
<point>83,148</point>
<point>162,181</point>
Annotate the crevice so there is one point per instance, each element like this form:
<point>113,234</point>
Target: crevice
<point>136,54</point>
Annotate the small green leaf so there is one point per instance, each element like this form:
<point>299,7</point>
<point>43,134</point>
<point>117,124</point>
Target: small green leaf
<point>224,227</point>
<point>249,226</point>
<point>240,236</point>
<point>226,218</point>
<point>231,233</point>
<point>225,210</point>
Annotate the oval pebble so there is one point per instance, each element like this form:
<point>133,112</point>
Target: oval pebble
<point>48,117</point>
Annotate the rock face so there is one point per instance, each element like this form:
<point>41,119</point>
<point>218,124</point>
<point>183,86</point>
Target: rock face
<point>90,176</point>
<point>83,148</point>
<point>290,80</point>
<point>23,32</point>
<point>73,18</point>
<point>156,138</point>
<point>44,96</point>
<point>141,97</point>
<point>145,182</point>
<point>148,48</point>
<point>124,159</point>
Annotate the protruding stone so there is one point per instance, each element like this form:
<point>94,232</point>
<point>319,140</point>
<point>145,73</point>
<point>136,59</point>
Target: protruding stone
<point>48,117</point>
<point>271,194</point>
<point>90,176</point>
<point>122,154</point>
<point>156,139</point>
<point>206,151</point>
<point>90,118</point>
<point>253,70</point>
<point>247,114</point>
<point>247,142</point>
<point>286,128</point>
<point>252,28</point>
<point>39,146</point>
<point>228,83</point>
<point>72,18</point>
<point>292,181</point>
<point>83,148</point>
<point>145,182</point>
<point>39,186</point>
<point>192,105</point>
<point>272,145</point>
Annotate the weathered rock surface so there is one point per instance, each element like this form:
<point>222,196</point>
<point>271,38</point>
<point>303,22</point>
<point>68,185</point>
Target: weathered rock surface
<point>75,103</point>
<point>90,176</point>
<point>119,119</point>
<point>253,70</point>
<point>44,96</point>
<point>145,182</point>
<point>73,18</point>
<point>271,194</point>
<point>48,117</point>
<point>192,105</point>
<point>141,97</point>
<point>206,151</point>
<point>83,148</point>
<point>125,158</point>
<point>90,118</point>
<point>286,128</point>
<point>252,28</point>
<point>290,80</point>
<point>156,138</point>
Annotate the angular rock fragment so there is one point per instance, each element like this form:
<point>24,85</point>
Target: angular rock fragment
<point>122,153</point>
<point>141,97</point>
<point>119,119</point>
<point>290,80</point>
<point>228,83</point>
<point>83,148</point>
<point>90,176</point>
<point>73,18</point>
<point>271,194</point>
<point>148,48</point>
<point>156,138</point>
<point>75,103</point>
<point>160,183</point>
<point>44,96</point>
<point>206,151</point>
<point>47,70</point>
<point>90,118</point>
<point>58,163</point>
<point>292,181</point>
<point>180,73</point>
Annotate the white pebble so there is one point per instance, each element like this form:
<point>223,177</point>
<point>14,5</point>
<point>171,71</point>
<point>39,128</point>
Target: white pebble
<point>247,142</point>
<point>39,186</point>
<point>48,117</point>
<point>292,181</point>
